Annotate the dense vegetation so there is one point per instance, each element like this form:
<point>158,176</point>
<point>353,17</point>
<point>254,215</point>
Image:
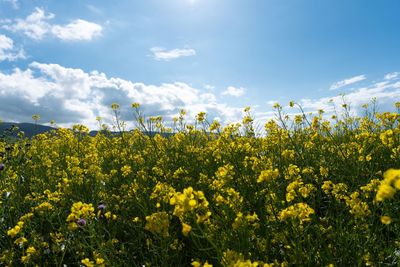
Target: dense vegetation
<point>309,191</point>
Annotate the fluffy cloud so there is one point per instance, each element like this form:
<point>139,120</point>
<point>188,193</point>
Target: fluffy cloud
<point>37,26</point>
<point>234,91</point>
<point>8,51</point>
<point>392,75</point>
<point>348,81</point>
<point>77,30</point>
<point>160,53</point>
<point>75,96</point>
<point>385,93</point>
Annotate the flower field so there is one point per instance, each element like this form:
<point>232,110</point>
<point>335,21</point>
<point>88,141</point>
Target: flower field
<point>309,191</point>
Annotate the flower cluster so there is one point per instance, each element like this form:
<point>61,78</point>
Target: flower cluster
<point>190,200</point>
<point>158,223</point>
<point>300,211</point>
<point>389,185</point>
<point>80,213</point>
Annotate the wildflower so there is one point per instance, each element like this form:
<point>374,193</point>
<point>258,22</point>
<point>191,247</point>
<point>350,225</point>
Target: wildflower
<point>16,230</point>
<point>87,262</point>
<point>126,170</point>
<point>45,206</point>
<point>386,220</point>
<point>2,166</point>
<point>20,241</point>
<point>247,120</point>
<point>268,175</point>
<point>214,125</point>
<point>276,106</point>
<point>114,106</point>
<point>186,228</point>
<point>135,105</point>
<point>386,190</point>
<point>357,207</point>
<point>324,171</point>
<point>201,116</point>
<point>109,215</point>
<point>300,211</point>
<point>81,222</point>
<point>36,117</point>
<point>100,261</point>
<point>80,212</point>
<point>158,223</point>
<point>31,250</point>
<point>198,264</point>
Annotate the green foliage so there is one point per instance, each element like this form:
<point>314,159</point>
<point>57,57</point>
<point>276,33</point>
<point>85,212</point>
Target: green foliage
<point>303,193</point>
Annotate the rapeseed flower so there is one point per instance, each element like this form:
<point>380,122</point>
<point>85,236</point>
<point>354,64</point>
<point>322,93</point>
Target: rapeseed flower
<point>386,219</point>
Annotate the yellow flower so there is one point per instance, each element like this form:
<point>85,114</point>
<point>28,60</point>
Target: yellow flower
<point>20,241</point>
<point>87,262</point>
<point>14,231</point>
<point>392,175</point>
<point>79,210</point>
<point>108,214</point>
<point>201,116</point>
<point>300,211</point>
<point>386,220</point>
<point>268,175</point>
<point>158,223</point>
<point>126,170</point>
<point>186,228</point>
<point>385,191</point>
<point>114,106</point>
<point>25,259</point>
<point>31,250</point>
<point>100,262</point>
<point>192,203</point>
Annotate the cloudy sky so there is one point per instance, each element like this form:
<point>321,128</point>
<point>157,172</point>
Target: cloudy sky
<point>69,60</point>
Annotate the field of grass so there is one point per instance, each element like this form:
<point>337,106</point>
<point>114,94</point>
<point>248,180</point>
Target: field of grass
<point>310,191</point>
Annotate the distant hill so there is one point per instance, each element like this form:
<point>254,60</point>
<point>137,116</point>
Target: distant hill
<point>31,129</point>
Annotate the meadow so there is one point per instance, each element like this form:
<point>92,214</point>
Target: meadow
<point>312,190</point>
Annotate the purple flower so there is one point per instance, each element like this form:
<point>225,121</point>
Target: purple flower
<point>2,166</point>
<point>101,206</point>
<point>81,222</point>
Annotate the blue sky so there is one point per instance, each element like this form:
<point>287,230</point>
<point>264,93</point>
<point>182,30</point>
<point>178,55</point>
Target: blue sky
<point>77,57</point>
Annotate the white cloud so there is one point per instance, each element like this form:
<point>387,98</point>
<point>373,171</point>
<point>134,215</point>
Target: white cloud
<point>392,75</point>
<point>160,53</point>
<point>14,3</point>
<point>77,30</point>
<point>385,94</point>
<point>34,26</point>
<point>234,91</point>
<point>209,87</point>
<point>8,51</point>
<point>37,26</point>
<point>348,81</point>
<point>79,97</point>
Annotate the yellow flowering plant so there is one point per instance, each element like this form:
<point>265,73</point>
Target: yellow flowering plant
<point>307,189</point>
